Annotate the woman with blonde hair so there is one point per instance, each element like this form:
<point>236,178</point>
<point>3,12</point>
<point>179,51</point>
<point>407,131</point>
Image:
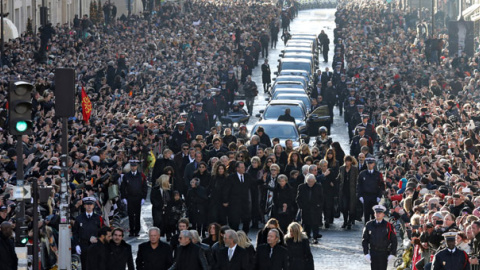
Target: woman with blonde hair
<point>160,197</point>
<point>244,242</point>
<point>298,246</point>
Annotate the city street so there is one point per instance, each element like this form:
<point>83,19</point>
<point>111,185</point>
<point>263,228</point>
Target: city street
<point>338,249</point>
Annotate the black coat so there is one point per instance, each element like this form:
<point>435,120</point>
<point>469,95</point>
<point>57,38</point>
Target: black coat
<point>280,196</point>
<point>134,186</point>
<point>160,206</point>
<point>190,257</point>
<point>311,205</point>
<point>263,234</point>
<point>120,256</point>
<point>351,190</point>
<point>299,254</point>
<point>160,164</point>
<point>150,259</point>
<point>97,256</point>
<point>278,260</point>
<point>239,195</point>
<point>8,255</point>
<point>239,260</point>
<point>266,73</point>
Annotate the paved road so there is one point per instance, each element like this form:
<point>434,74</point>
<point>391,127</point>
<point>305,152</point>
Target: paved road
<point>338,249</point>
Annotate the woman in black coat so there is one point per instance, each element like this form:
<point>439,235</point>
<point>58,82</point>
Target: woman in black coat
<point>298,246</point>
<point>216,211</point>
<point>263,233</point>
<point>281,157</point>
<point>160,197</point>
<point>283,202</point>
<point>294,163</point>
<point>347,179</point>
<point>196,205</point>
<point>203,175</point>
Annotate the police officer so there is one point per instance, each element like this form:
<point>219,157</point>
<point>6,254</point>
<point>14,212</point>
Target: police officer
<point>210,107</point>
<point>200,120</point>
<point>369,128</point>
<point>370,187</point>
<point>355,146</point>
<point>379,240</point>
<point>355,119</point>
<point>188,125</point>
<point>179,137</point>
<point>85,229</point>
<point>451,257</point>
<point>134,191</point>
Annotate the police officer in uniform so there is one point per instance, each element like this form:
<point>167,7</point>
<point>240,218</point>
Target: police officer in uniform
<point>210,107</point>
<point>355,144</point>
<point>134,192</point>
<point>179,137</point>
<point>370,187</point>
<point>369,128</point>
<point>355,119</point>
<point>451,257</point>
<point>379,240</point>
<point>188,125</point>
<point>200,120</point>
<point>85,229</point>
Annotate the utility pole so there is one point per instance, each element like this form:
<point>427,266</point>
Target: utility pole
<point>433,17</point>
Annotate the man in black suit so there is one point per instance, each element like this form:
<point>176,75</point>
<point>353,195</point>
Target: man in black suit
<point>254,145</point>
<point>192,167</point>
<point>154,254</point>
<point>310,200</point>
<point>237,197</point>
<point>232,257</point>
<point>326,76</point>
<point>272,256</point>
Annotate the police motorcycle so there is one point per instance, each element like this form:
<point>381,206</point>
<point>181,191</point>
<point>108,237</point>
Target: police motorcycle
<point>235,117</point>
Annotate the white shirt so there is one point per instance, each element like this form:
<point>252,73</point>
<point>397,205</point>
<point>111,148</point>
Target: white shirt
<point>89,215</point>
<point>233,249</point>
<point>241,177</point>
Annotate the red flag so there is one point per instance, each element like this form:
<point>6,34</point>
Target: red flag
<point>86,106</point>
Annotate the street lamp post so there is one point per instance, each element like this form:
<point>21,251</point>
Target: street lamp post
<point>2,49</point>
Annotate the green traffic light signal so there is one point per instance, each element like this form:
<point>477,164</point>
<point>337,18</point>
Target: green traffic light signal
<point>24,240</point>
<point>21,126</point>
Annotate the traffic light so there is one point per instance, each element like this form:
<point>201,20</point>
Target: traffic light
<point>23,237</point>
<point>20,108</point>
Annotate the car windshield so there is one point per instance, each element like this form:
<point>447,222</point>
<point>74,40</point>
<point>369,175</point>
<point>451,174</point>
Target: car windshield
<point>293,65</point>
<point>303,99</point>
<point>274,111</point>
<point>296,79</point>
<point>279,131</point>
<point>295,72</point>
<point>289,85</point>
<point>287,91</point>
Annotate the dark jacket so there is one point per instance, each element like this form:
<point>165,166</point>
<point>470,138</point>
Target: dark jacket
<point>190,257</point>
<point>278,260</point>
<point>370,184</point>
<point>120,256</point>
<point>311,204</point>
<point>150,259</point>
<point>262,236</point>
<point>379,238</point>
<point>446,260</point>
<point>97,256</point>
<point>8,255</point>
<point>351,190</point>
<point>134,186</point>
<point>160,206</point>
<point>299,254</point>
<point>239,260</point>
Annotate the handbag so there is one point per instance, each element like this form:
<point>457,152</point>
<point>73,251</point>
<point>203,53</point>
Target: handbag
<point>113,192</point>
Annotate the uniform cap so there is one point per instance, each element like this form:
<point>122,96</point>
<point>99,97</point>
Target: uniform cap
<point>3,208</point>
<point>365,115</point>
<point>359,128</point>
<point>133,162</point>
<point>370,160</point>
<point>230,72</point>
<point>360,106</point>
<point>184,114</point>
<point>379,208</point>
<point>89,200</point>
<point>450,236</point>
<point>181,123</point>
<point>199,104</point>
<point>352,98</point>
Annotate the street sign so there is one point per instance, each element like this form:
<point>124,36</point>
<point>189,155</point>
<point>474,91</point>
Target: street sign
<point>20,193</point>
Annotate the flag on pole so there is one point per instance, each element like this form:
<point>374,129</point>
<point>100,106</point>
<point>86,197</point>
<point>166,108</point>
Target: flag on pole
<point>86,106</point>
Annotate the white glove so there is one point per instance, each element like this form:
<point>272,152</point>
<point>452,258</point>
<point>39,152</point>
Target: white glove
<point>214,116</point>
<point>124,201</point>
<point>367,258</point>
<point>143,201</point>
<point>378,200</point>
<point>78,249</point>
<point>391,258</point>
<point>361,199</point>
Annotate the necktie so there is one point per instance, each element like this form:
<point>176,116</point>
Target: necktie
<point>88,216</point>
<point>134,173</point>
<point>241,178</point>
<point>230,254</point>
<point>271,252</point>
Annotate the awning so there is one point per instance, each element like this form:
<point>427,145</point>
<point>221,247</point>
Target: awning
<point>468,11</point>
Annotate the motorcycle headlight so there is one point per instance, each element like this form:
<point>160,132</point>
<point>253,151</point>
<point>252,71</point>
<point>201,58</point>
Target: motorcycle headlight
<point>235,125</point>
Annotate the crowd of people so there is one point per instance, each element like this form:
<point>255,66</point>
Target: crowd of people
<point>412,119</point>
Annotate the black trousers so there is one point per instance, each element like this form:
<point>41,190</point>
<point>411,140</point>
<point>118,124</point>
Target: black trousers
<point>134,208</point>
<point>264,50</point>
<point>379,260</point>
<point>368,203</point>
<point>325,55</point>
<point>312,228</point>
